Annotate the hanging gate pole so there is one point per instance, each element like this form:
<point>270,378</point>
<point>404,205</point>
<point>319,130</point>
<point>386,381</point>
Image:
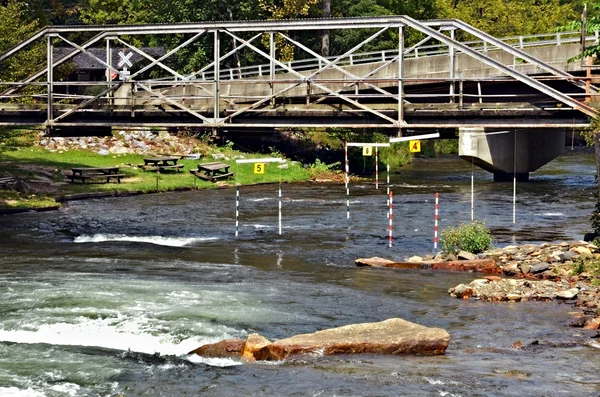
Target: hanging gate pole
<point>391,217</point>
<point>435,227</point>
<point>237,210</point>
<point>347,168</point>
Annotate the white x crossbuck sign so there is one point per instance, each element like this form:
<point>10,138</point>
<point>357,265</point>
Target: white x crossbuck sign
<point>125,59</point>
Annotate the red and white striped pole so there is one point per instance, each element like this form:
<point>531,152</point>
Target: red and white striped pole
<point>377,167</point>
<point>391,228</point>
<point>388,185</point>
<point>347,168</point>
<point>435,227</point>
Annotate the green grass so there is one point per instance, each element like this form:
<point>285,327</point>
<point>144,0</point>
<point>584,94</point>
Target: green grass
<point>29,162</point>
<point>12,199</point>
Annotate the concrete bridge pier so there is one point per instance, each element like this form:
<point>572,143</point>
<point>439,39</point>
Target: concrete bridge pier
<point>506,152</point>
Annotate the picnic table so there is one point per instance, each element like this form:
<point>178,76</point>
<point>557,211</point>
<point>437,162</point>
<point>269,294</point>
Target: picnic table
<point>161,164</point>
<point>213,171</point>
<point>82,174</point>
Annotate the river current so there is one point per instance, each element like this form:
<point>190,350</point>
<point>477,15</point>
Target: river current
<point>105,297</point>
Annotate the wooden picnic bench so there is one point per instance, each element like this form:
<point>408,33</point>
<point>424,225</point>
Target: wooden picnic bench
<point>161,164</point>
<point>213,171</point>
<point>82,174</point>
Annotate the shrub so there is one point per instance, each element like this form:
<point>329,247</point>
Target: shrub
<point>473,237</point>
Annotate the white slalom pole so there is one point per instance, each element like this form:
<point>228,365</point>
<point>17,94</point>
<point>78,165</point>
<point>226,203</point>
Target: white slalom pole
<point>514,199</point>
<point>435,227</point>
<point>388,178</point>
<point>347,181</point>
<point>391,217</point>
<point>472,199</point>
<point>279,208</point>
<point>376,167</point>
<point>388,187</point>
<point>237,209</point>
<point>515,180</point>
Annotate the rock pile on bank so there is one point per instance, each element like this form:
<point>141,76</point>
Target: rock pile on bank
<point>139,141</point>
<point>544,272</point>
<point>545,261</point>
<point>394,336</point>
<point>568,272</point>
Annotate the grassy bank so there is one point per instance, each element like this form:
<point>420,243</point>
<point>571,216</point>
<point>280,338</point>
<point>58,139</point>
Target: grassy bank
<point>45,173</point>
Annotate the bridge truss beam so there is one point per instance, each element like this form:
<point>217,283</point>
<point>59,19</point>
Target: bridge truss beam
<point>331,93</point>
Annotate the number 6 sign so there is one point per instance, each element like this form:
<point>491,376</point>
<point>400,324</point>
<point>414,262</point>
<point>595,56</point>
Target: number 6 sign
<point>259,168</point>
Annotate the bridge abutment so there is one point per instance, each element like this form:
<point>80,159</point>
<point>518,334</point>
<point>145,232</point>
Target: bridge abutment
<point>509,152</point>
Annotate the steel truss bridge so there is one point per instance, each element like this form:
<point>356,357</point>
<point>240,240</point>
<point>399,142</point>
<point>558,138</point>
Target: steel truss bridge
<point>440,82</point>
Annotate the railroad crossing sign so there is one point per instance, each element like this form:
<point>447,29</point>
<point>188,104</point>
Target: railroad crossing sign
<point>125,59</point>
<point>415,146</point>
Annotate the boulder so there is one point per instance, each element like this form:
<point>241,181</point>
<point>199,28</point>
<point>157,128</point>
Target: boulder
<point>393,336</point>
<point>593,324</point>
<point>539,268</point>
<point>466,255</point>
<point>224,349</point>
<point>582,250</point>
<point>568,294</point>
<point>487,265</point>
<point>253,343</point>
<point>374,262</point>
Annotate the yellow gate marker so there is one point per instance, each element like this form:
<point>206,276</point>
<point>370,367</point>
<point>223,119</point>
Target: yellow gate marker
<point>415,146</point>
<point>259,168</point>
<point>367,150</point>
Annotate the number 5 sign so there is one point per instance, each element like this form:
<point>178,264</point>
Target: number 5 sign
<point>259,168</point>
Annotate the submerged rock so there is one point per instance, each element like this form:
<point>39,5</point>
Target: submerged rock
<point>393,336</point>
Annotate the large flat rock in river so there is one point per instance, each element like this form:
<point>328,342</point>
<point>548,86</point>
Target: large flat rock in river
<point>485,265</point>
<point>393,336</point>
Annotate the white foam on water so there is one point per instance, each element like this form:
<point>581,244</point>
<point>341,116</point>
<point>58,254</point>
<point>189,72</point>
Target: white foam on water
<point>260,226</point>
<point>435,381</point>
<point>16,392</point>
<point>551,214</point>
<point>409,186</point>
<point>66,389</point>
<point>213,362</point>
<point>261,199</point>
<point>158,240</point>
<point>594,344</point>
<point>125,334</point>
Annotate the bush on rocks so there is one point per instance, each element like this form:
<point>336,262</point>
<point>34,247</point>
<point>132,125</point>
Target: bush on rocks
<point>472,237</point>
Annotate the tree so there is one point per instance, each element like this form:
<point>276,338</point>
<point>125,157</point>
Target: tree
<point>508,17</point>
<point>15,26</point>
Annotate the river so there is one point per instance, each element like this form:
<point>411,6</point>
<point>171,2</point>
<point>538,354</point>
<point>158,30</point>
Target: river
<point>105,297</point>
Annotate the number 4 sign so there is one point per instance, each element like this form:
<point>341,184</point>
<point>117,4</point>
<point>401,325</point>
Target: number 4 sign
<point>259,168</point>
<point>415,146</point>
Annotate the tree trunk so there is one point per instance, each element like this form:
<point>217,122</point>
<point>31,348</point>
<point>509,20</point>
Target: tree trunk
<point>325,35</point>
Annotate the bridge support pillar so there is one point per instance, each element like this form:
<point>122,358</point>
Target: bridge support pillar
<point>506,153</point>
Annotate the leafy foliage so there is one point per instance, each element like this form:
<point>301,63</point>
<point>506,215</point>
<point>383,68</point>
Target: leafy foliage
<point>472,237</point>
<point>592,25</point>
<point>508,17</point>
<point>588,264</point>
<point>15,26</point>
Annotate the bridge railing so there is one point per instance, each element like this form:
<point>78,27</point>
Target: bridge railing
<point>536,40</point>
